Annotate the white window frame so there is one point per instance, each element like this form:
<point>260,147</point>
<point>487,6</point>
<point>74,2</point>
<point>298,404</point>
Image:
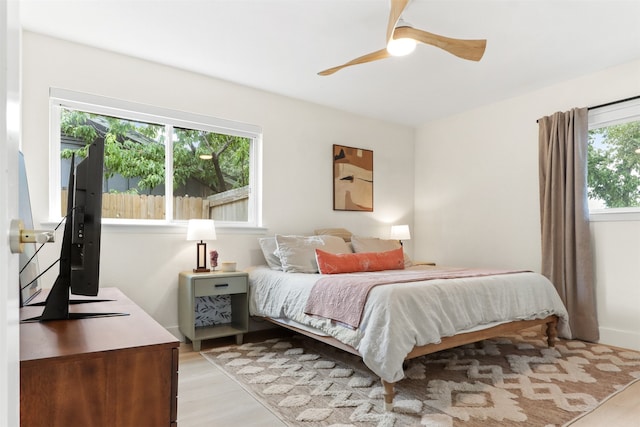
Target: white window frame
<point>62,98</point>
<point>609,115</point>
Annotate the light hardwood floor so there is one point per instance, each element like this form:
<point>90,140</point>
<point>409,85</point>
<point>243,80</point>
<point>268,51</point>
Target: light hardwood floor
<point>621,410</point>
<point>207,397</point>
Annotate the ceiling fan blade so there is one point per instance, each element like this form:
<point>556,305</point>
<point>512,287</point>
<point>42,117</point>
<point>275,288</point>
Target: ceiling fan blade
<point>397,7</point>
<point>373,56</point>
<point>465,49</point>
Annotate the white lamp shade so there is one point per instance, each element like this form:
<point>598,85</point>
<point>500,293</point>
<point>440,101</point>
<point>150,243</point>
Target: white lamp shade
<point>400,232</point>
<point>201,229</point>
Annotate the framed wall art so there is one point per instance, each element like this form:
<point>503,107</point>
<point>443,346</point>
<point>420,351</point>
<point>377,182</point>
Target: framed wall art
<point>352,179</point>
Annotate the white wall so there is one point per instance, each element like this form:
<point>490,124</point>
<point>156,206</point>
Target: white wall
<point>617,272</point>
<point>476,201</point>
<point>297,172</point>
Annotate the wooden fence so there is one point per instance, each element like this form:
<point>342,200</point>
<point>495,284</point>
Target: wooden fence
<point>228,206</point>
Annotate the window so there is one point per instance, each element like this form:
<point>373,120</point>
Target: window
<point>614,158</point>
<point>160,165</point>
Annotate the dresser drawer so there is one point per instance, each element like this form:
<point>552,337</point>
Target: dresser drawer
<point>219,286</point>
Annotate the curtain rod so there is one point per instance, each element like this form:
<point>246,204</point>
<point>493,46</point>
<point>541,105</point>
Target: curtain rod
<point>620,101</point>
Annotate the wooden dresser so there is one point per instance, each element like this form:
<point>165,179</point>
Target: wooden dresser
<point>103,372</point>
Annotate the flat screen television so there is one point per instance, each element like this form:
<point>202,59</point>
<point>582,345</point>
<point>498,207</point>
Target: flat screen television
<point>80,252</point>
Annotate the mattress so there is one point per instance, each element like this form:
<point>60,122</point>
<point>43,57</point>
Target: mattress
<point>400,316</point>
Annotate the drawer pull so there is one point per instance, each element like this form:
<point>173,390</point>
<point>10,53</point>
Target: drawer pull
<point>222,285</point>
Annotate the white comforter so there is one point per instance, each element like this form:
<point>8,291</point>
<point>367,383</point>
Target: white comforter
<point>400,316</point>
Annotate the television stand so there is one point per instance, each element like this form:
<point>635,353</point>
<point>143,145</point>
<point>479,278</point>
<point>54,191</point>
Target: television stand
<point>106,371</point>
<point>58,302</point>
<point>73,315</point>
<point>71,301</point>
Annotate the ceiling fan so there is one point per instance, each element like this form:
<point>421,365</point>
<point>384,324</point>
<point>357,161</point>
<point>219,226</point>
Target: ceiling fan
<point>403,37</point>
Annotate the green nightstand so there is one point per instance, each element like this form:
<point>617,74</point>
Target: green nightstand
<point>194,285</point>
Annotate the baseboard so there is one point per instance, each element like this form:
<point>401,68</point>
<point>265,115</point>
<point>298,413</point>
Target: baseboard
<point>620,338</point>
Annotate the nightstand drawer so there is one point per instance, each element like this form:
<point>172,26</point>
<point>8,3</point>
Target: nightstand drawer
<point>219,286</point>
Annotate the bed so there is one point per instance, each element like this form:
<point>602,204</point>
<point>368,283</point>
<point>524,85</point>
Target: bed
<point>407,316</point>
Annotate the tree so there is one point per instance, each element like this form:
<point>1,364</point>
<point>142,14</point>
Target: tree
<point>137,150</point>
<point>614,165</point>
<point>229,155</point>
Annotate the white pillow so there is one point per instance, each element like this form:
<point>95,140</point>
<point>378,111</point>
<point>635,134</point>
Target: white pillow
<point>375,244</point>
<point>269,247</point>
<point>298,253</point>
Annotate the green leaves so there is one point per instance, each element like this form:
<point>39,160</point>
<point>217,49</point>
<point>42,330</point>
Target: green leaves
<point>75,124</point>
<point>220,173</point>
<point>614,165</point>
<point>136,151</point>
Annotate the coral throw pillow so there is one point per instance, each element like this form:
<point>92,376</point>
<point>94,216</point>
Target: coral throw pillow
<point>329,263</point>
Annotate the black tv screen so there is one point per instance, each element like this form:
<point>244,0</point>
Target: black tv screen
<point>86,218</point>
<point>80,253</point>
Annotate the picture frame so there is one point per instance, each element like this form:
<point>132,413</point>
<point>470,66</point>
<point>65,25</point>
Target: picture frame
<point>352,179</point>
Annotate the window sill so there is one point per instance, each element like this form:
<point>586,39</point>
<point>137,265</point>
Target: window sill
<point>612,215</point>
<point>164,227</point>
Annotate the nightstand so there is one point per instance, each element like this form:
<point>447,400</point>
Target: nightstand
<point>195,285</point>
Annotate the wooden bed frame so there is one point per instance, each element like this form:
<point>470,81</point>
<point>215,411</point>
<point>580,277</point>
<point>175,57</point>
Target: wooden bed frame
<point>550,322</point>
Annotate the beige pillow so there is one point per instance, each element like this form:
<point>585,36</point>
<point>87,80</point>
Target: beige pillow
<point>298,253</point>
<point>335,245</point>
<point>343,233</point>
<point>375,244</point>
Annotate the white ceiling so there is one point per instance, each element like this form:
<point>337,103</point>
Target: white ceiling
<point>280,45</point>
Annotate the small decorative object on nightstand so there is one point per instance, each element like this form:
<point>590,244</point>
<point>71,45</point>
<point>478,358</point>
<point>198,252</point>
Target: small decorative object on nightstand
<point>231,285</point>
<point>213,258</point>
<point>228,266</point>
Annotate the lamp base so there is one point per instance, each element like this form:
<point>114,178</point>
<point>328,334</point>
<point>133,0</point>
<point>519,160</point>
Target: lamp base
<point>201,270</point>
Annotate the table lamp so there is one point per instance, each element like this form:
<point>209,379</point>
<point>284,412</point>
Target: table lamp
<point>201,229</point>
<point>400,233</point>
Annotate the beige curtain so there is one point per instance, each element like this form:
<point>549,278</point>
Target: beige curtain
<point>566,242</point>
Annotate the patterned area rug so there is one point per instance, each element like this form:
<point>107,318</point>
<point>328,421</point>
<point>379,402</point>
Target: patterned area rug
<point>510,381</point>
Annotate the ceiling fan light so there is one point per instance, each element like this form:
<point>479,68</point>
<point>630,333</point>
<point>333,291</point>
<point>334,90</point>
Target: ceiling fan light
<point>206,156</point>
<point>401,47</point>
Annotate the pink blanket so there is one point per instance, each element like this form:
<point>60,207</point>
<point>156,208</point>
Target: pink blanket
<point>342,297</point>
